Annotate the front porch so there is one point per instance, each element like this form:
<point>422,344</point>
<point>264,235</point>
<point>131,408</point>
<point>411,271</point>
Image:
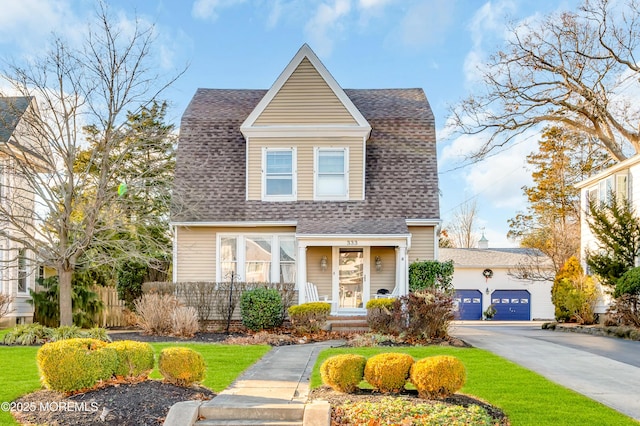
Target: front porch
<point>351,271</point>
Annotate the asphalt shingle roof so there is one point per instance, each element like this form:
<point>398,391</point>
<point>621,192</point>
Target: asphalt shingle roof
<point>11,109</point>
<point>401,166</point>
<point>491,257</point>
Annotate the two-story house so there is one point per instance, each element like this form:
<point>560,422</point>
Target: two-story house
<point>16,262</point>
<point>306,182</point>
<point>617,180</point>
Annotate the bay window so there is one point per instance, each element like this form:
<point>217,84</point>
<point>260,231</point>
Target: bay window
<point>257,258</point>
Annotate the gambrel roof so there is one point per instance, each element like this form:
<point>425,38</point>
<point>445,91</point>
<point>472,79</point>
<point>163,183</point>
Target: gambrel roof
<point>401,166</point>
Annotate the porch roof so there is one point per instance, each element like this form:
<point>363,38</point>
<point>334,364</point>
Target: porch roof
<point>397,226</point>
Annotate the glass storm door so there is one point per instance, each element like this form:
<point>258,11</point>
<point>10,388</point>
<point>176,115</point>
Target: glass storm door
<point>351,278</point>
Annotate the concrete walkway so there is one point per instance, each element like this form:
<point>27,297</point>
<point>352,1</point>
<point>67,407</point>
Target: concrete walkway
<point>609,381</point>
<point>275,389</point>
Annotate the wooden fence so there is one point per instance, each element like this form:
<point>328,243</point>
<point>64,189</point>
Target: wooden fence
<point>113,313</point>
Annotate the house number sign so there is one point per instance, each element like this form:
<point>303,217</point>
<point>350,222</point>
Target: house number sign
<point>352,242</point>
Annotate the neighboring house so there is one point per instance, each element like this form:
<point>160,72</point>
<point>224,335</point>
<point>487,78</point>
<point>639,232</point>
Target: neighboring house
<point>619,180</point>
<point>306,182</point>
<point>16,263</point>
<point>482,277</point>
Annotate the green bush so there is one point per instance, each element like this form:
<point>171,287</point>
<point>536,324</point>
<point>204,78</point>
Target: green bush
<point>629,283</point>
<point>438,376</point>
<point>73,364</point>
<point>97,333</point>
<point>27,334</point>
<point>135,359</point>
<point>380,315</point>
<point>309,317</point>
<point>343,372</point>
<point>66,332</point>
<point>388,372</point>
<point>181,366</point>
<point>431,274</point>
<point>261,309</point>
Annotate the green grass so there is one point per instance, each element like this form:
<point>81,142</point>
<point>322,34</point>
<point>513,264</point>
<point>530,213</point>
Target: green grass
<point>526,397</point>
<point>19,372</point>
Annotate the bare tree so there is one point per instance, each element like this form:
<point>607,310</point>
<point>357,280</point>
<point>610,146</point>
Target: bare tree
<point>573,69</point>
<point>461,230</point>
<point>79,145</point>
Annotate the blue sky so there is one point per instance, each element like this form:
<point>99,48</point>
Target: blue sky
<point>431,44</point>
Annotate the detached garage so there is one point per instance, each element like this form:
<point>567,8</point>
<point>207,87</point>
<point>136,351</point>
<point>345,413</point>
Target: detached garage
<point>483,277</point>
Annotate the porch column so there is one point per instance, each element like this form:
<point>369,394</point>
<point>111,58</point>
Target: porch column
<point>301,263</point>
<point>403,271</point>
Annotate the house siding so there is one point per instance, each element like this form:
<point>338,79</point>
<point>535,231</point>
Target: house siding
<point>305,98</point>
<point>422,243</point>
<point>197,249</point>
<point>305,162</point>
<point>322,279</point>
<point>386,278</point>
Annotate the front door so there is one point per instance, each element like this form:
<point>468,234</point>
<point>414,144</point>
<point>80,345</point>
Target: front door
<point>352,284</point>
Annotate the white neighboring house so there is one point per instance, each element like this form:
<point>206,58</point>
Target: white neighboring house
<point>618,179</point>
<point>16,262</point>
<point>481,278</point>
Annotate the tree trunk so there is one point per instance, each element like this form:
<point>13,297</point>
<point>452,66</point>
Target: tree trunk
<point>66,309</point>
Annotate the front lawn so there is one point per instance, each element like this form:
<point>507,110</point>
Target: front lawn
<point>526,397</point>
<point>19,372</point>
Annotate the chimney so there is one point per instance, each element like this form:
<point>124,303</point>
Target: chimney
<point>483,243</point>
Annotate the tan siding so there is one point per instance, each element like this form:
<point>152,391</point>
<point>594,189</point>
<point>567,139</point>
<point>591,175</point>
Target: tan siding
<point>305,98</point>
<point>386,278</point>
<point>197,249</point>
<point>305,151</point>
<point>196,254</point>
<point>322,279</point>
<point>422,247</point>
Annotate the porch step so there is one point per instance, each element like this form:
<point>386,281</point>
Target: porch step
<point>348,324</point>
<point>251,414</point>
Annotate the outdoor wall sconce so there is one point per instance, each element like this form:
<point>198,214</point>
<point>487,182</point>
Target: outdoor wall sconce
<point>487,291</point>
<point>378,264</point>
<point>323,263</point>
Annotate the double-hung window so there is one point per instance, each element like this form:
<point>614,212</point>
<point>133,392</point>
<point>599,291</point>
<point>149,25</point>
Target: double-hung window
<point>279,174</point>
<point>331,174</point>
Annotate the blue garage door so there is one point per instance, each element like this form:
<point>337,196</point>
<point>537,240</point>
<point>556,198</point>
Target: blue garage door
<point>511,305</point>
<point>469,304</point>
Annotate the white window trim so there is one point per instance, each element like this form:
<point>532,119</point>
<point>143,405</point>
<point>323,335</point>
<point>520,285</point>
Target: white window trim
<point>316,152</point>
<point>614,179</point>
<point>25,270</point>
<point>294,175</point>
<point>241,253</point>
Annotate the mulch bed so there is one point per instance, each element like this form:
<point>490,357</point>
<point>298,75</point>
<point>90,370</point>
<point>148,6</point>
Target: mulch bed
<point>199,337</point>
<point>336,399</point>
<point>145,404</point>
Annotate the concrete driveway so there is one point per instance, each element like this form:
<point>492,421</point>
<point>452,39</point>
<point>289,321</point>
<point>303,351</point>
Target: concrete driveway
<point>602,368</point>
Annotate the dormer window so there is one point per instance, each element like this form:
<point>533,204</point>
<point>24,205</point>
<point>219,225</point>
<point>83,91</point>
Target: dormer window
<point>331,174</point>
<point>279,174</point>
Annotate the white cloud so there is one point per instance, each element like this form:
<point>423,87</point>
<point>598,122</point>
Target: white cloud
<point>26,23</point>
<point>325,25</point>
<point>373,4</point>
<point>209,9</point>
<point>425,23</point>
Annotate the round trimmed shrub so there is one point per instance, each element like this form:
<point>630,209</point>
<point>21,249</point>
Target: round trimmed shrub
<point>135,359</point>
<point>73,364</point>
<point>343,372</point>
<point>309,317</point>
<point>181,366</point>
<point>261,309</point>
<point>388,372</point>
<point>438,376</point>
